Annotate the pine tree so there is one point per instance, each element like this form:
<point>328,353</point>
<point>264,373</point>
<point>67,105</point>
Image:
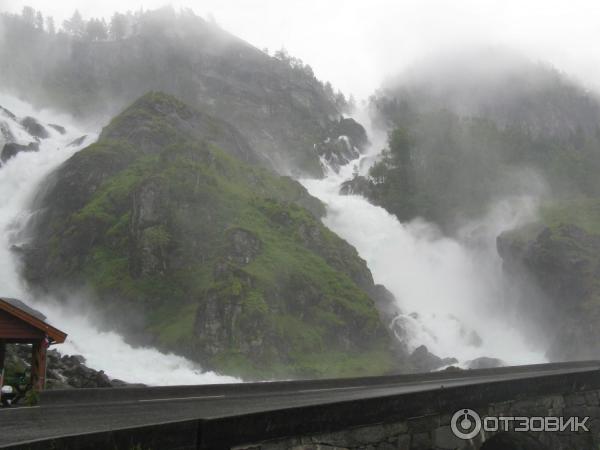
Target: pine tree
<point>75,26</point>
<point>118,27</point>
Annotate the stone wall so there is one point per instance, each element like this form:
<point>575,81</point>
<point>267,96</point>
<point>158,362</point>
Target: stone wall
<point>434,432</point>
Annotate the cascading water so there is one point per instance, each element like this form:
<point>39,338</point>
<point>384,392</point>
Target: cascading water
<point>452,293</point>
<point>19,178</point>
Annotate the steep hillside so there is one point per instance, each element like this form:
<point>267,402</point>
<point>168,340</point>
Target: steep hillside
<point>471,129</point>
<point>478,127</point>
<point>562,254</point>
<point>496,84</point>
<point>276,102</point>
<point>184,246</point>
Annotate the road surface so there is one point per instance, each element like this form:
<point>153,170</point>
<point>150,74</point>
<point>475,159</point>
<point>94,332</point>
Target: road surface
<point>95,410</point>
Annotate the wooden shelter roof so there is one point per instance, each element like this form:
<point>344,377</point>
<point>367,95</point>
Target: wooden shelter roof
<point>25,323</point>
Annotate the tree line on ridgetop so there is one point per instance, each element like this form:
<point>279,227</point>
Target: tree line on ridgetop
<point>92,70</point>
<point>126,25</point>
<point>477,138</point>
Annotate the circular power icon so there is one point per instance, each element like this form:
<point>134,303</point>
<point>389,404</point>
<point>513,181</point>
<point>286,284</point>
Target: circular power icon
<point>465,424</point>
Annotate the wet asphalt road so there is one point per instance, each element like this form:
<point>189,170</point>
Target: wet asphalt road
<point>87,411</point>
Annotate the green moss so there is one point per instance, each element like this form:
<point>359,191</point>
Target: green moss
<point>173,325</point>
<point>567,251</point>
<point>254,303</point>
<point>338,364</point>
<point>157,236</point>
<point>296,296</point>
<point>107,269</point>
<point>583,212</point>
<point>311,365</point>
<point>115,193</point>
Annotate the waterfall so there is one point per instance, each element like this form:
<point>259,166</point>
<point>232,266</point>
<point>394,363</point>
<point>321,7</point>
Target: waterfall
<point>452,292</point>
<point>19,178</point>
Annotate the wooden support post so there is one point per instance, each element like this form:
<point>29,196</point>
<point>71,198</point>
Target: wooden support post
<point>2,354</point>
<point>2,358</point>
<point>38,366</point>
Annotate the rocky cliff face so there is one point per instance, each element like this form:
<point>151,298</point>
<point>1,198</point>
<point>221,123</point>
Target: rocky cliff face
<point>187,246</point>
<point>345,141</point>
<point>28,140</point>
<point>276,102</point>
<point>564,262</point>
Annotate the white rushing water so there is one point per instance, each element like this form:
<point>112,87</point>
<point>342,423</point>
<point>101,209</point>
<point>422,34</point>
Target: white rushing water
<point>452,293</point>
<point>19,179</point>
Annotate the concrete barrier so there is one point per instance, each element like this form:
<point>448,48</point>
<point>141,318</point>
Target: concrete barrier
<point>328,418</point>
<point>124,394</point>
<point>246,430</point>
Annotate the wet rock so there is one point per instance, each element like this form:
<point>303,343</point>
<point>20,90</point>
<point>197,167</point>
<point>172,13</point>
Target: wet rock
<point>34,128</point>
<point>484,362</point>
<point>385,303</point>
<point>357,185</point>
<point>77,142</point>
<point>6,135</point>
<point>120,383</point>
<point>219,310</point>
<point>563,262</point>
<point>337,152</point>
<point>58,128</point>
<point>149,236</point>
<point>345,140</point>
<point>80,376</point>
<point>63,372</point>
<point>7,113</point>
<point>354,131</point>
<point>453,369</point>
<point>5,132</point>
<point>10,150</point>
<point>422,360</point>
<point>244,245</point>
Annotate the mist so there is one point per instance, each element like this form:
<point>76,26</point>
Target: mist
<point>480,122</point>
<point>357,46</point>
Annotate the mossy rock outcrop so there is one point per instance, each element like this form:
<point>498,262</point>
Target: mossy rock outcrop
<point>561,255</point>
<point>186,245</point>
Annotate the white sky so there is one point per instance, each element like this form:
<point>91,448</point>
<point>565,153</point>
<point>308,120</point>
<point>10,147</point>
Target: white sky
<point>357,44</point>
